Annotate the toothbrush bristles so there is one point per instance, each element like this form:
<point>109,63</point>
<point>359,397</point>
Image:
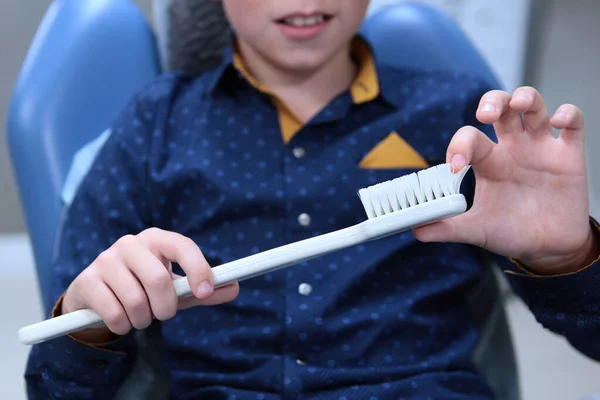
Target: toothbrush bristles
<point>410,190</point>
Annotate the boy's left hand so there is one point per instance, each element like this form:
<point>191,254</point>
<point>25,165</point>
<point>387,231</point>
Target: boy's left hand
<point>531,196</point>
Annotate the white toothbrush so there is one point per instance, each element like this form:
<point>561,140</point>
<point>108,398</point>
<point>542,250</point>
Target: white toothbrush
<point>392,207</point>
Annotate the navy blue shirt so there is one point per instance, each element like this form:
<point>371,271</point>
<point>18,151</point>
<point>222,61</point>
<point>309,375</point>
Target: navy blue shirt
<point>389,319</point>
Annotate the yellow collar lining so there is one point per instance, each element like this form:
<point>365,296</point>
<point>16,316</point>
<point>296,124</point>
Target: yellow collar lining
<point>364,88</point>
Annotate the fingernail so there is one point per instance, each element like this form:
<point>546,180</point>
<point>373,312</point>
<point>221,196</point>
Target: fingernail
<point>204,288</point>
<point>488,107</point>
<point>458,162</point>
<point>561,114</point>
<point>523,95</point>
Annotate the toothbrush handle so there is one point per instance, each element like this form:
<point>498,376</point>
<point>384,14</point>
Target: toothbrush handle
<point>271,260</point>
<point>238,270</point>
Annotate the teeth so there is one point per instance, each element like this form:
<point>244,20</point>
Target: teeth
<point>308,21</point>
<point>298,21</point>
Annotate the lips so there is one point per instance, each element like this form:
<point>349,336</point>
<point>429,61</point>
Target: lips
<point>303,26</point>
<point>300,21</point>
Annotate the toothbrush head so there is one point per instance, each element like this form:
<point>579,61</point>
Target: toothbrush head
<point>411,190</point>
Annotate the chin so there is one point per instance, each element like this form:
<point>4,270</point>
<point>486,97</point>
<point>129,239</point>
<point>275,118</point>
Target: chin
<point>301,61</point>
<point>303,67</point>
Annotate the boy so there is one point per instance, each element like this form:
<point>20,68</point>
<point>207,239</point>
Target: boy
<point>270,148</point>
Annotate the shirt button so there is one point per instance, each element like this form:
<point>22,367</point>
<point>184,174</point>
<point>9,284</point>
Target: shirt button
<point>300,361</point>
<point>304,219</point>
<point>305,289</point>
<point>299,152</point>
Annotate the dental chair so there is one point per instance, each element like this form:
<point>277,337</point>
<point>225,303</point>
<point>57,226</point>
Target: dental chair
<point>87,60</point>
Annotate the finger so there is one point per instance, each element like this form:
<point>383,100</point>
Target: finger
<point>569,119</point>
<point>469,146</point>
<point>530,103</point>
<point>222,295</point>
<point>166,263</point>
<point>459,229</point>
<point>185,252</point>
<point>109,308</point>
<point>131,295</point>
<point>152,276</point>
<point>494,109</point>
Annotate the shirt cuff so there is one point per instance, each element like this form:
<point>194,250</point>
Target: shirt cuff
<point>570,292</point>
<point>108,345</point>
<point>522,269</point>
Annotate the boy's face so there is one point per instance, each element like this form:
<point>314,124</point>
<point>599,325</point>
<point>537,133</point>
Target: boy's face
<point>296,35</point>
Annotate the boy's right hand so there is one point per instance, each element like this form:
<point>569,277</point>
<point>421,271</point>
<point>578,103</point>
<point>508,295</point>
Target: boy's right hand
<point>131,283</point>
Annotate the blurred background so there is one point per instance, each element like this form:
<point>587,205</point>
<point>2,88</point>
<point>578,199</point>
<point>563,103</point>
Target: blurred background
<point>549,44</point>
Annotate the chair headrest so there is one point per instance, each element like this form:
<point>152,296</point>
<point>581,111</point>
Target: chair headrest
<point>192,34</point>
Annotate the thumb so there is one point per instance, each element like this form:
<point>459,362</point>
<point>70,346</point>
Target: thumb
<point>221,295</point>
<point>459,229</point>
<point>468,146</point>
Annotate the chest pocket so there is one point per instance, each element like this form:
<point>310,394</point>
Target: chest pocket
<point>393,152</point>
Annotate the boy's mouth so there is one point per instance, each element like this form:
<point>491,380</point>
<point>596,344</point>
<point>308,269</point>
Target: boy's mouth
<point>304,21</point>
<point>301,27</point>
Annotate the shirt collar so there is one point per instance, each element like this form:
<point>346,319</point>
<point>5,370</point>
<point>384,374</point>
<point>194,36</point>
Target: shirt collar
<point>216,76</point>
<point>365,86</point>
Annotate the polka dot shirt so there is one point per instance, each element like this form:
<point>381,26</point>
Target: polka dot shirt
<point>204,156</point>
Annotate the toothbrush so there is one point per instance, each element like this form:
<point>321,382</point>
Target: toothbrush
<point>392,207</point>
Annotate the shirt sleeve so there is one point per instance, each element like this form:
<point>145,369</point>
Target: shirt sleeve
<point>111,201</point>
<point>567,304</point>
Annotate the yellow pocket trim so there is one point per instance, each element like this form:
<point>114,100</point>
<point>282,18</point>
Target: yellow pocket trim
<point>393,152</point>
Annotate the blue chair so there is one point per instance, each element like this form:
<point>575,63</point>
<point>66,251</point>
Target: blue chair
<point>89,57</point>
<point>86,60</point>
<point>417,35</point>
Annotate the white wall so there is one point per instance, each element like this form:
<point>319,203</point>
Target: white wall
<point>564,64</point>
<point>18,21</point>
